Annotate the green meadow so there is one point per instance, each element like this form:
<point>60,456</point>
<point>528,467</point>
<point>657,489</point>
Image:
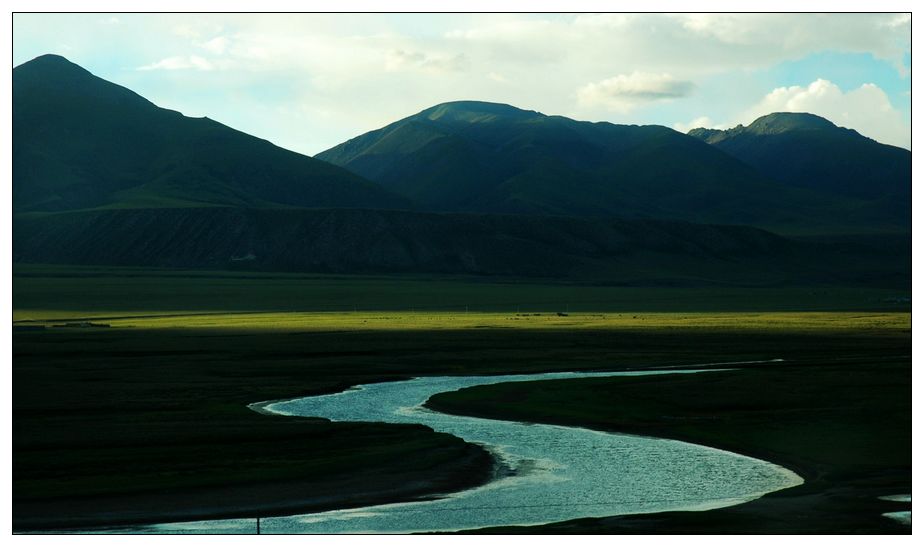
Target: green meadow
<point>52,292</point>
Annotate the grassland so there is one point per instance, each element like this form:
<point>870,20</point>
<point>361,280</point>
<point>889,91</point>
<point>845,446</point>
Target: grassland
<point>430,321</point>
<point>40,291</point>
<point>147,419</point>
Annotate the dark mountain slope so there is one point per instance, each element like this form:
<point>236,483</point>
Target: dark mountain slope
<point>82,142</point>
<point>486,157</point>
<point>808,151</point>
<point>377,241</point>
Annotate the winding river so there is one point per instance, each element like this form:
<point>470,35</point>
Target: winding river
<point>557,473</point>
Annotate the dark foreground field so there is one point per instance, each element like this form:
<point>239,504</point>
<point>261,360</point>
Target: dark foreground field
<point>147,420</point>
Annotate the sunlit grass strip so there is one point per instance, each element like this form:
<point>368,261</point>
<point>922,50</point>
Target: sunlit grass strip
<point>42,315</point>
<point>403,320</point>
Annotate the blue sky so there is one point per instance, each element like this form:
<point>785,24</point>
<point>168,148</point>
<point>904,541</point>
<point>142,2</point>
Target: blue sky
<point>308,82</point>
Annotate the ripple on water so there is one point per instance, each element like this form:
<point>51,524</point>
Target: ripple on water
<point>897,497</point>
<point>902,517</point>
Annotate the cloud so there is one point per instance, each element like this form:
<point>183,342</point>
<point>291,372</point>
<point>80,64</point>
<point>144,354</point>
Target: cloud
<point>415,60</point>
<point>659,42</point>
<point>866,109</point>
<point>217,45</point>
<point>765,36</point>
<point>624,92</point>
<point>900,20</point>
<point>196,28</point>
<point>181,62</point>
<point>109,21</point>
<point>508,40</point>
<point>702,121</point>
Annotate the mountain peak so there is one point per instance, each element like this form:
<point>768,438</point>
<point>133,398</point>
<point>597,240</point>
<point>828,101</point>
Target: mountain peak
<point>780,122</point>
<point>56,75</point>
<point>704,133</point>
<point>50,61</point>
<point>776,123</point>
<point>49,58</point>
<point>474,111</point>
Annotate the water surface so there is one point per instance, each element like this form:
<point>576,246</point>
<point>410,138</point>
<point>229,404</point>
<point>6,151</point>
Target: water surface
<point>557,473</point>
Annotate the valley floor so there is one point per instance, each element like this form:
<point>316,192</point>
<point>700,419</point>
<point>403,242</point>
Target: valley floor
<point>122,424</point>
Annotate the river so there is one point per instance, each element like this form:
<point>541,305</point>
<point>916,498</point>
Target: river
<point>556,473</point>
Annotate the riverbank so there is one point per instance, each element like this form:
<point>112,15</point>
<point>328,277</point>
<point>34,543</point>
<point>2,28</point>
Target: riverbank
<point>844,426</point>
<point>467,468</point>
<point>130,426</point>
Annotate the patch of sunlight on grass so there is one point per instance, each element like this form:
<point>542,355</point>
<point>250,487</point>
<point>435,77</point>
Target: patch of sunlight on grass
<point>404,320</point>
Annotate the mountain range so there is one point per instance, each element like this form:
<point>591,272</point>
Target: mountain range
<point>493,158</point>
<point>103,176</point>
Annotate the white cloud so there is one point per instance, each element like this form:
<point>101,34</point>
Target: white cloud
<point>181,62</point>
<point>899,20</point>
<point>606,20</point>
<point>655,42</point>
<point>196,28</point>
<point>624,92</point>
<point>109,21</point>
<point>765,36</point>
<point>866,109</point>
<point>217,45</point>
<point>416,60</point>
<point>702,121</point>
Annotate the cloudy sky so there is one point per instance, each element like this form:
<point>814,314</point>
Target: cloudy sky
<point>308,82</point>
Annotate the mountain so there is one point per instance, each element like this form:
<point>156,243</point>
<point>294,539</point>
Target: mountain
<point>486,157</point>
<point>103,176</point>
<point>81,142</point>
<point>349,241</point>
<point>807,151</point>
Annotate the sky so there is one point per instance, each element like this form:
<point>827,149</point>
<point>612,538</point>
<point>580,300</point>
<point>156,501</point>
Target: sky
<point>308,82</point>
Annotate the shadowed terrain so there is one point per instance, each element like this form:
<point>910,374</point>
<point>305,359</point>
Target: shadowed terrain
<point>151,411</point>
<point>841,421</point>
